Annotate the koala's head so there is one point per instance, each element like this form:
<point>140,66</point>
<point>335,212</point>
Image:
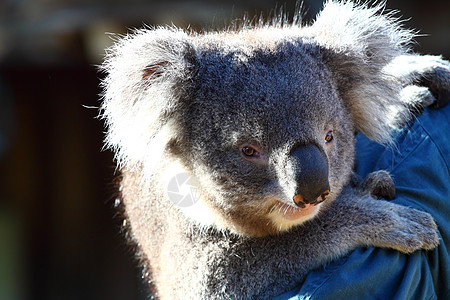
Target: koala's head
<point>265,132</point>
<point>264,118</point>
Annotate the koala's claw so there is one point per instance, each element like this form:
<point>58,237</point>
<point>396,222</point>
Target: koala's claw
<point>442,99</point>
<point>379,184</point>
<point>438,84</point>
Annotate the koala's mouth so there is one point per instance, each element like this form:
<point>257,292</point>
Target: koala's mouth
<point>285,215</point>
<point>292,213</point>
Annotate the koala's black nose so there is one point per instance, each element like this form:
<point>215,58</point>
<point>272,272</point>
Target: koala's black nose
<point>309,167</point>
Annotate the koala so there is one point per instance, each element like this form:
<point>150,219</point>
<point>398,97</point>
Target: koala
<point>263,120</point>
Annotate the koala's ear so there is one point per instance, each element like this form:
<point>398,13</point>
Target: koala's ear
<point>358,43</point>
<point>147,76</point>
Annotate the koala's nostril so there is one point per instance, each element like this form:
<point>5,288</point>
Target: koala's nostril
<point>323,197</point>
<point>299,201</point>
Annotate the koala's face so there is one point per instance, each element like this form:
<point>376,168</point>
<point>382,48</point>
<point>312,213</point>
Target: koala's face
<point>267,135</point>
<point>264,117</point>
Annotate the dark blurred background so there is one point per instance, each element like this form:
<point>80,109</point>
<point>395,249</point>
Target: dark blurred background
<point>60,234</point>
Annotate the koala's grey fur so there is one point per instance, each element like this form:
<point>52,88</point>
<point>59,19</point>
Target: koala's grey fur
<point>185,102</point>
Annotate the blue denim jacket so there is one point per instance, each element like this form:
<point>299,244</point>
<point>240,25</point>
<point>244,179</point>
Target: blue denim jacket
<point>420,165</point>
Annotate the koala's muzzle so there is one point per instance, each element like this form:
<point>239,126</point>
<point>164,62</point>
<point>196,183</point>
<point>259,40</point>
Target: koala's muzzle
<point>309,167</point>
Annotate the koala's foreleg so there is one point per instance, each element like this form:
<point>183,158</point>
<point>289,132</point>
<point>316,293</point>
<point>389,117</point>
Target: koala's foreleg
<point>355,219</point>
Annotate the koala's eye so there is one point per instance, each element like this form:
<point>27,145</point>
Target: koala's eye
<point>253,154</point>
<point>329,137</point>
<point>249,151</point>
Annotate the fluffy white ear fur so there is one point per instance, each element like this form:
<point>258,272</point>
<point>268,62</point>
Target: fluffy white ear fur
<point>359,43</point>
<point>142,70</point>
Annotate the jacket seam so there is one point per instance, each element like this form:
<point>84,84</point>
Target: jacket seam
<point>436,144</point>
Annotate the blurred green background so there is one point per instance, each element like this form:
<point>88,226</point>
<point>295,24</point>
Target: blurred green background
<point>60,234</point>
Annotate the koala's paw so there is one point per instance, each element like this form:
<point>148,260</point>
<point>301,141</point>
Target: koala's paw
<point>379,184</point>
<point>437,79</point>
<point>417,98</point>
<point>431,75</point>
<point>412,230</point>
